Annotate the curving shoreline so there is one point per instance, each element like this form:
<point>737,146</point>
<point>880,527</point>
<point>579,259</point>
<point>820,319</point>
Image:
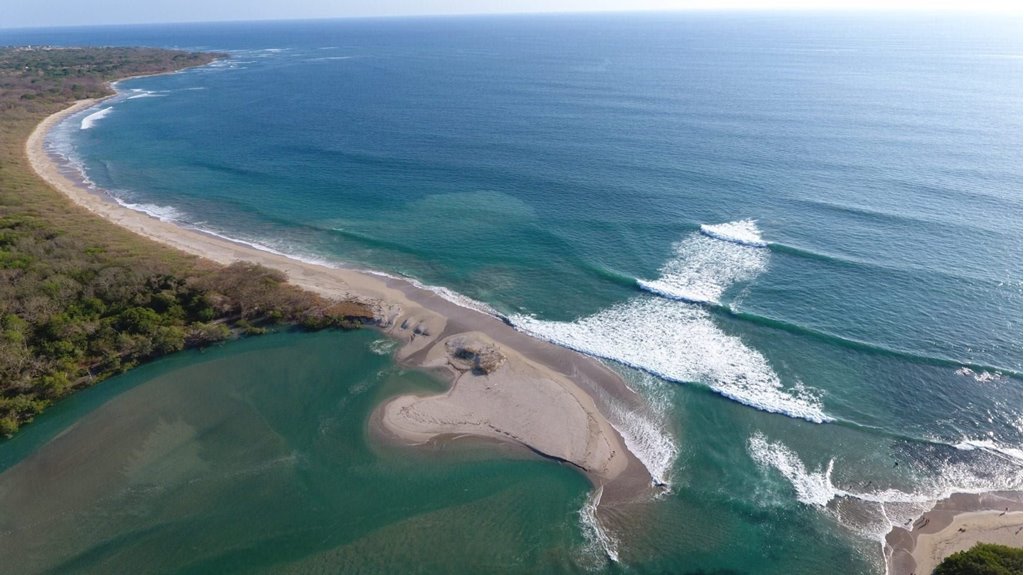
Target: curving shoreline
<point>955,524</point>
<point>548,399</point>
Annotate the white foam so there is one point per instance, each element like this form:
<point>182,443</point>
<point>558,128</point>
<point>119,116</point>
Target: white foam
<point>645,428</point>
<point>90,120</point>
<point>669,291</point>
<point>265,248</point>
<point>743,232</point>
<point>383,346</point>
<point>162,213</point>
<point>679,342</point>
<point>62,145</point>
<point>981,377</point>
<point>443,292</point>
<point>222,65</point>
<point>703,268</point>
<point>137,93</point>
<point>816,488</point>
<point>812,487</point>
<point>598,540</point>
<point>991,446</point>
<point>873,514</point>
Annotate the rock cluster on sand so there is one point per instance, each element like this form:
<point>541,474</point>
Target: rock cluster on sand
<point>467,354</point>
<point>500,394</point>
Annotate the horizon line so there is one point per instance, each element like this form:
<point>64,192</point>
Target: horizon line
<point>703,9</point>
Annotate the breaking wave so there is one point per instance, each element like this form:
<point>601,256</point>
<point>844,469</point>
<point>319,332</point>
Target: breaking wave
<point>89,121</point>
<point>742,232</point>
<point>645,429</point>
<point>678,341</point>
<point>704,266</point>
<point>599,541</point>
<point>1013,453</point>
<point>873,513</point>
<point>162,213</point>
<point>137,93</point>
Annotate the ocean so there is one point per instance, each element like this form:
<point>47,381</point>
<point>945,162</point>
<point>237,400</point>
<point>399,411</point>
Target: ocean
<point>798,235</point>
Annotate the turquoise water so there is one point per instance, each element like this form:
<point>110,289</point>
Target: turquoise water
<point>798,235</point>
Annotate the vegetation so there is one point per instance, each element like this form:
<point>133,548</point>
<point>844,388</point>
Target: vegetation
<point>983,559</point>
<point>82,299</point>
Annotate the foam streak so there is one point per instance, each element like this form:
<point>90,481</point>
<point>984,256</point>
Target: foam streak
<point>680,342</point>
<point>89,121</point>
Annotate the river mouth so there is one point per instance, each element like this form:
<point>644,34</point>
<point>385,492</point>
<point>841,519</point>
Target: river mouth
<point>256,456</point>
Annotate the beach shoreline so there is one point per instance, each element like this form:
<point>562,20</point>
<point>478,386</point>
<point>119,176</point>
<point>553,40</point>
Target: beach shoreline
<point>532,378</point>
<point>955,524</point>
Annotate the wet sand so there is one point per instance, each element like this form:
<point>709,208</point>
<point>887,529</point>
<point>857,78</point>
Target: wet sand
<point>955,524</point>
<point>538,395</point>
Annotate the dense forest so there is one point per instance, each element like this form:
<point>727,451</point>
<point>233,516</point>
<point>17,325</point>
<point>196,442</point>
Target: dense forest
<point>82,299</point>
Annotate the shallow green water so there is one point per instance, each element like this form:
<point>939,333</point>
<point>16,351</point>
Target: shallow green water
<point>773,218</point>
<point>254,457</point>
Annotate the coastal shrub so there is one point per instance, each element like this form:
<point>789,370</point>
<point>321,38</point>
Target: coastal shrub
<point>983,559</point>
<point>82,299</point>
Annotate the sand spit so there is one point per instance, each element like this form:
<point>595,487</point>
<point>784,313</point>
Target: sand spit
<point>505,385</point>
<point>501,394</point>
<point>956,524</point>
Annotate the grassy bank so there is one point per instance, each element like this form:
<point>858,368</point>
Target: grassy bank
<point>82,299</point>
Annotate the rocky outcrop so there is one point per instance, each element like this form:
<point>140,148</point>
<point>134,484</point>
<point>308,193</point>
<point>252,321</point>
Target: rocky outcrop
<point>470,354</point>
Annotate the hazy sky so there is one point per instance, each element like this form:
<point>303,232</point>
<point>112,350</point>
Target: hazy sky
<point>18,13</point>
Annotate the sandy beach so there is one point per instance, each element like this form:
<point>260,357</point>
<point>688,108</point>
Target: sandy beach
<point>955,524</point>
<point>505,385</point>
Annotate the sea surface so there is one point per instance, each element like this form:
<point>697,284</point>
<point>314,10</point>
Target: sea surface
<point>797,235</point>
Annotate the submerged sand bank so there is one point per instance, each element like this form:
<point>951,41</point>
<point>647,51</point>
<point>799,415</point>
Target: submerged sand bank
<point>544,397</point>
<point>956,524</point>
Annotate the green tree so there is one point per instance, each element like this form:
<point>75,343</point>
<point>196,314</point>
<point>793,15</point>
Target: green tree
<point>82,299</point>
<point>983,559</point>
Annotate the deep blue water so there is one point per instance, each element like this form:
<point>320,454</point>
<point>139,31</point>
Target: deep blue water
<point>854,294</point>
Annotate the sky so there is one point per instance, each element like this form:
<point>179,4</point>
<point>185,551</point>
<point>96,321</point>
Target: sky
<point>43,13</point>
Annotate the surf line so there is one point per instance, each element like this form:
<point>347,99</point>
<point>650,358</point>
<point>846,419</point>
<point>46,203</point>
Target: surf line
<point>433,332</point>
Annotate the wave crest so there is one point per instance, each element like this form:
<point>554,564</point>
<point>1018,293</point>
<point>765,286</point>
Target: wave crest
<point>599,541</point>
<point>679,342</point>
<point>874,513</point>
<point>673,339</point>
<point>812,487</point>
<point>89,121</point>
<point>703,267</point>
<point>742,232</point>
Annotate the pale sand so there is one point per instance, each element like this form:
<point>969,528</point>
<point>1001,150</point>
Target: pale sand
<point>491,405</point>
<point>984,518</point>
<point>978,526</point>
<point>543,397</point>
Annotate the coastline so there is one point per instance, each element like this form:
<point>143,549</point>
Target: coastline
<point>531,393</point>
<point>955,524</point>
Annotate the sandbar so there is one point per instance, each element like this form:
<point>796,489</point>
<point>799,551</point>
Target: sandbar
<point>505,385</point>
